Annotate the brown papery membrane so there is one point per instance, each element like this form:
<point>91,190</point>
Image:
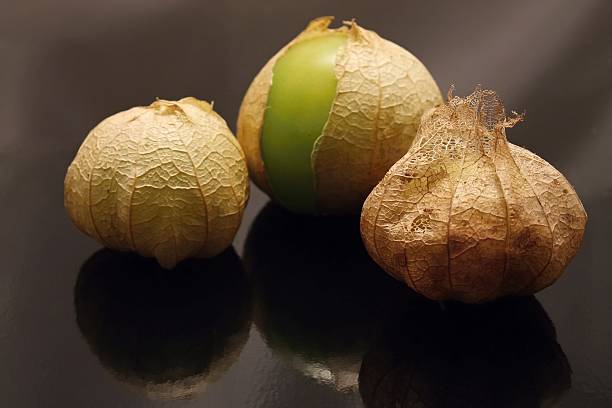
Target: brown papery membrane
<point>466,215</point>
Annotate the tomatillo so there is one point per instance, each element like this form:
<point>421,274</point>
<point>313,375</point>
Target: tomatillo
<point>329,114</point>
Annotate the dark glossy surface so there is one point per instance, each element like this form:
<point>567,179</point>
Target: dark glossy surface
<point>289,326</point>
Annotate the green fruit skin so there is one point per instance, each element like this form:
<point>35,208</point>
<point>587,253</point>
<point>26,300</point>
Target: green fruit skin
<point>299,102</point>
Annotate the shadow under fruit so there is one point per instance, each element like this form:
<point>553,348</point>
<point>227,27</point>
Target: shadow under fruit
<point>319,298</point>
<point>502,354</point>
<point>165,333</point>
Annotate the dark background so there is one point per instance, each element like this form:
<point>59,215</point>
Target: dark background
<point>67,64</point>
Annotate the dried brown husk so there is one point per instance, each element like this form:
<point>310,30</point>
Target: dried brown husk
<point>466,215</point>
<point>167,181</point>
<point>381,94</point>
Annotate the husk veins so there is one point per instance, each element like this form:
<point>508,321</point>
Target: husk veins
<point>168,181</point>
<point>382,92</point>
<point>466,215</point>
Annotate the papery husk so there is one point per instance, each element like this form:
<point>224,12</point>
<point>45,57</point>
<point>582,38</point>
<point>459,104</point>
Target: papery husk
<point>168,181</point>
<point>382,92</point>
<point>466,215</point>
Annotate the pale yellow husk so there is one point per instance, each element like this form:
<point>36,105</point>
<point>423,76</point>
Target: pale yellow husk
<point>168,181</point>
<point>466,215</point>
<point>382,92</point>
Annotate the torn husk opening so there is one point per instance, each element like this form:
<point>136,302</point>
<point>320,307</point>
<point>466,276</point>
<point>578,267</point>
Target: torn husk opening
<point>370,124</point>
<point>487,107</point>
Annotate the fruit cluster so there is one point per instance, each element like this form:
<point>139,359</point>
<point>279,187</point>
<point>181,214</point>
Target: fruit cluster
<point>340,121</point>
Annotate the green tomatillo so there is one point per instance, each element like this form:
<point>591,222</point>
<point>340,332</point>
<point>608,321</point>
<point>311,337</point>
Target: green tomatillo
<point>299,102</point>
<point>328,115</point>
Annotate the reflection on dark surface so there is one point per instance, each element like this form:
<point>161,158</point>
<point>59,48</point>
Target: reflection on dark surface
<point>502,354</point>
<point>167,333</point>
<point>320,299</point>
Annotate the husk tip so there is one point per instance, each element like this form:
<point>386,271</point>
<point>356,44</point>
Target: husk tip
<point>320,23</point>
<point>486,100</point>
<point>198,103</point>
<point>451,91</point>
<point>354,29</point>
<point>516,118</point>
